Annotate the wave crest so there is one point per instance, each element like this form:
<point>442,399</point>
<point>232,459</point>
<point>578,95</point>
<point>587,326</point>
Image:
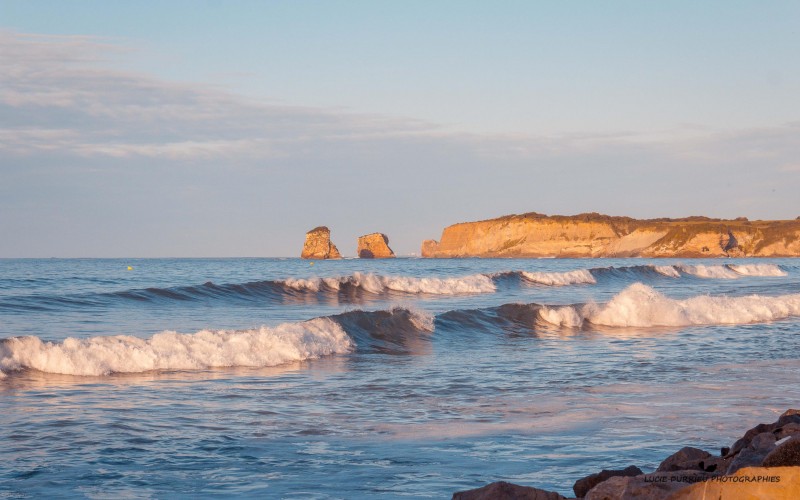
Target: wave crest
<point>259,347</point>
<point>561,316</point>
<point>477,283</point>
<point>580,276</point>
<point>641,306</point>
<point>669,271</point>
<point>758,269</point>
<point>731,271</point>
<point>395,331</point>
<point>703,271</point>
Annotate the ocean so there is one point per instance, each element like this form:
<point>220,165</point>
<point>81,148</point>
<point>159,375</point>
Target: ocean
<point>285,378</point>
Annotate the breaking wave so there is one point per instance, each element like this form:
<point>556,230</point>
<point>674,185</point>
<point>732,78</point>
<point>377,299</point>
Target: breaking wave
<point>373,283</point>
<point>637,306</point>
<point>259,347</point>
<point>345,287</point>
<point>670,271</point>
<point>641,306</point>
<point>757,269</point>
<point>559,279</point>
<point>359,287</point>
<point>731,271</point>
<point>590,276</point>
<point>394,331</point>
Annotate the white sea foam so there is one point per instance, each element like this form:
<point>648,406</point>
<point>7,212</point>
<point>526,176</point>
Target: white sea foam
<point>260,347</point>
<point>641,306</point>
<point>667,271</point>
<point>311,285</point>
<point>422,320</point>
<point>559,279</point>
<point>730,271</point>
<point>702,271</point>
<point>758,269</point>
<point>477,283</point>
<point>561,316</point>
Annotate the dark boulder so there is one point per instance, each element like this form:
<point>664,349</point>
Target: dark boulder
<point>754,453</point>
<point>655,486</point>
<point>787,454</point>
<point>502,490</point>
<point>686,458</point>
<point>582,486</point>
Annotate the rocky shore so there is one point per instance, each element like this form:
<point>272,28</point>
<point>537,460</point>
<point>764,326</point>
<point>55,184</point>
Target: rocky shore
<point>763,464</point>
<point>598,235</point>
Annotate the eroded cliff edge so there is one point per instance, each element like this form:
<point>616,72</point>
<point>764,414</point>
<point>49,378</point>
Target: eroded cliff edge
<point>597,235</point>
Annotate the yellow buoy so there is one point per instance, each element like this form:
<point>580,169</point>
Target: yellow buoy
<point>310,263</point>
<point>130,268</point>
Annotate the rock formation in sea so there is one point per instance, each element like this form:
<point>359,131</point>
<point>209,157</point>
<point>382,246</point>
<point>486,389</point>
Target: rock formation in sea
<point>764,463</point>
<point>597,235</point>
<point>318,245</point>
<point>374,246</point>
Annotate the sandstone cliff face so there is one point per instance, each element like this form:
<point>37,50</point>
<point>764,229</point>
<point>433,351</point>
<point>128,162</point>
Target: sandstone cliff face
<point>596,235</point>
<point>374,246</point>
<point>318,245</point>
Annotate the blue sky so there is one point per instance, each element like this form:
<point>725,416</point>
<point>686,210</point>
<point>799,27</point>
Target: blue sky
<point>231,128</point>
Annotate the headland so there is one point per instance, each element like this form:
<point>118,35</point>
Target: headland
<point>597,235</point>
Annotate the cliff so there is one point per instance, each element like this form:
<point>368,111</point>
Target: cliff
<point>374,246</point>
<point>597,235</point>
<point>318,245</point>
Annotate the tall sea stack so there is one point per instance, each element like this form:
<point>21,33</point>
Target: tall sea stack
<point>374,246</point>
<point>318,245</point>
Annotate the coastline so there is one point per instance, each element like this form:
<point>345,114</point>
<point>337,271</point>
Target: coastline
<point>594,235</point>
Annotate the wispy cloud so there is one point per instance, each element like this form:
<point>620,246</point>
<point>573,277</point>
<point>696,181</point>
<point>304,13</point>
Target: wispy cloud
<point>84,145</point>
<point>60,87</point>
<point>58,93</point>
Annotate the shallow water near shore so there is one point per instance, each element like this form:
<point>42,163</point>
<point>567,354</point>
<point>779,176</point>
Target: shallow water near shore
<point>395,378</point>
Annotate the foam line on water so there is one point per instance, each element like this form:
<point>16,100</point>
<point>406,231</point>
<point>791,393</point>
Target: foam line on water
<point>477,283</point>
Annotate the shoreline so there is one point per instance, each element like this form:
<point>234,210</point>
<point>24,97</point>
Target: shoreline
<point>763,463</point>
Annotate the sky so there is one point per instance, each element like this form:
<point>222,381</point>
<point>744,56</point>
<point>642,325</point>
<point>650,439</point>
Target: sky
<point>227,129</point>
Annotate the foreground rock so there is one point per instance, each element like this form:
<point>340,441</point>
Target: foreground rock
<point>374,246</point>
<point>777,483</point>
<point>597,235</point>
<point>764,463</point>
<point>655,486</point>
<point>318,245</point>
<point>582,486</point>
<point>502,490</point>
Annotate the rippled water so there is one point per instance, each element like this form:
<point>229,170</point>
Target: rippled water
<point>422,377</point>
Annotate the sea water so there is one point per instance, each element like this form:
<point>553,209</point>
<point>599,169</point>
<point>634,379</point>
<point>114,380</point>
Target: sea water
<point>284,378</point>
